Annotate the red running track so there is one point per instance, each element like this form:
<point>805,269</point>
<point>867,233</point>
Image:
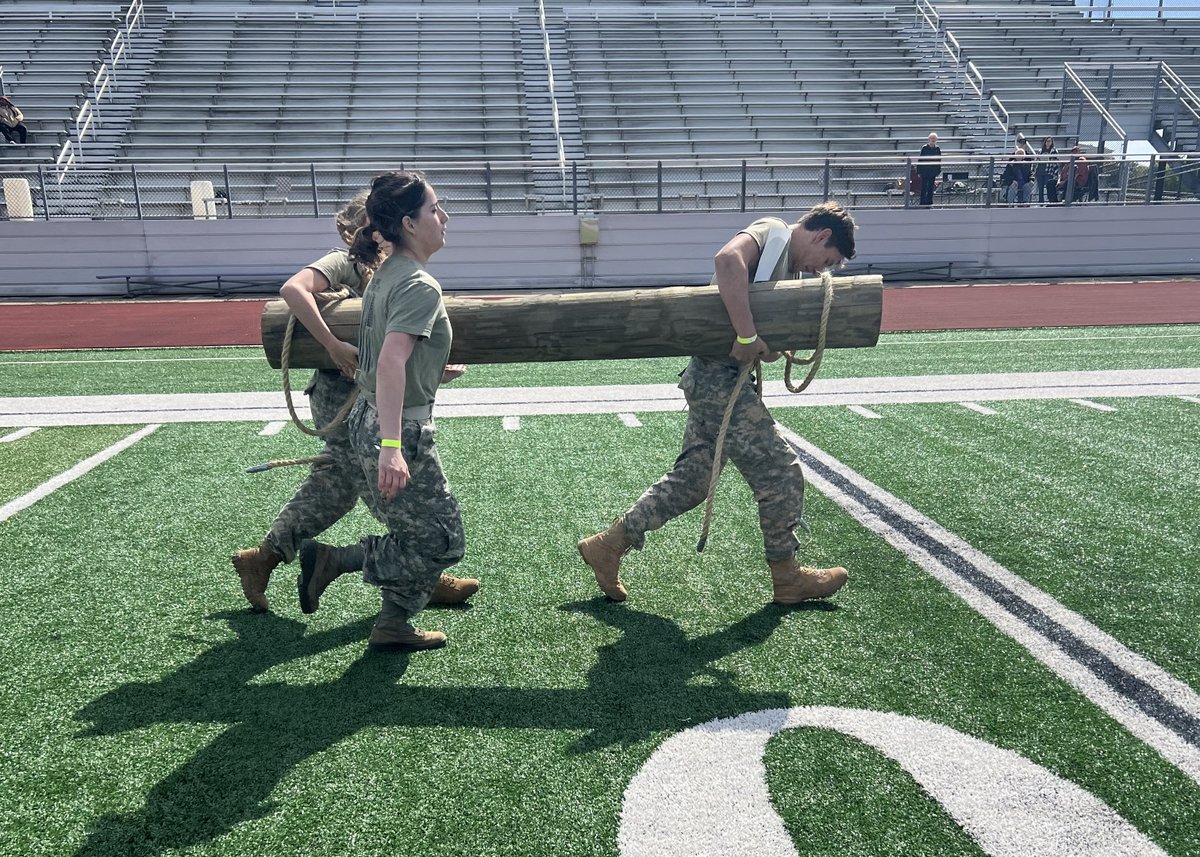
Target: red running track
<point>167,323</point>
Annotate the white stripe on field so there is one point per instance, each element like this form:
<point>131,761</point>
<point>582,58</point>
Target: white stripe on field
<point>18,434</point>
<point>1173,747</point>
<point>47,488</point>
<point>512,423</point>
<point>630,420</point>
<point>864,412</point>
<point>1090,404</point>
<point>271,429</point>
<point>1191,399</point>
<point>979,409</point>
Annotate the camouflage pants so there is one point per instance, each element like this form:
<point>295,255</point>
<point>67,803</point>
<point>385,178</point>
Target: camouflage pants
<point>753,443</point>
<point>330,491</point>
<point>424,524</point>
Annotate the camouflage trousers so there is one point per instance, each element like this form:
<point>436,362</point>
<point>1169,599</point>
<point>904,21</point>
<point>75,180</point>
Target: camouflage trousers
<point>424,524</point>
<point>330,491</point>
<point>753,443</point>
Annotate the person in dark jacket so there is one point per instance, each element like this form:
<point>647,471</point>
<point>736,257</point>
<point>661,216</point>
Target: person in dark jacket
<point>929,167</point>
<point>1047,171</point>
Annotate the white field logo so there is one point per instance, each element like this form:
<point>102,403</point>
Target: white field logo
<point>703,793</point>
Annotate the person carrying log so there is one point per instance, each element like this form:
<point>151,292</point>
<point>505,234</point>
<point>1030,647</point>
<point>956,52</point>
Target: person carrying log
<point>404,342</point>
<point>768,249</point>
<point>333,487</point>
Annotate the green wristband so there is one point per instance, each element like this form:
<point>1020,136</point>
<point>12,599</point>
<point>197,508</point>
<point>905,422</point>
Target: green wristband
<point>390,443</point>
<point>747,340</point>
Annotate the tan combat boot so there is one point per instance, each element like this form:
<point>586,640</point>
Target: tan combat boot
<point>453,590</point>
<point>795,583</point>
<point>403,638</point>
<point>254,566</point>
<point>603,553</point>
<point>320,565</point>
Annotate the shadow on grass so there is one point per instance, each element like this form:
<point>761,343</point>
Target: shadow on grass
<point>653,679</point>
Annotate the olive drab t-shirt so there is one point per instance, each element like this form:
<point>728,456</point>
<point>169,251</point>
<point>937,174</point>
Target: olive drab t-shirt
<point>340,270</point>
<point>404,298</point>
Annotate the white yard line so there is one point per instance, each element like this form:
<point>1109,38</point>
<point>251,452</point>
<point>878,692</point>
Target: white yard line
<point>630,420</point>
<point>272,428</point>
<point>47,488</point>
<point>1093,405</point>
<point>1194,400</point>
<point>979,409</point>
<point>864,412</point>
<point>644,398</point>
<point>18,434</point>
<point>1153,705</point>
<point>512,423</point>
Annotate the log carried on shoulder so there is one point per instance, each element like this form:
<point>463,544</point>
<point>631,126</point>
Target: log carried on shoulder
<point>613,324</point>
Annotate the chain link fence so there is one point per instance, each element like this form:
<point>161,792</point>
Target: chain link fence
<point>216,191</point>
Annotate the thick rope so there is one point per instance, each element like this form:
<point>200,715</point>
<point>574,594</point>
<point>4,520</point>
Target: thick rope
<point>316,461</point>
<point>814,359</point>
<point>285,360</point>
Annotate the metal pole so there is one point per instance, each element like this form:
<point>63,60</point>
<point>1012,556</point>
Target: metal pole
<point>987,200</point>
<point>908,182</point>
<point>1154,97</point>
<point>826,180</point>
<point>137,191</point>
<point>312,172</point>
<point>1150,179</point>
<point>743,192</point>
<point>228,195</point>
<point>487,183</point>
<point>574,187</point>
<point>42,183</point>
<point>1108,107</point>
<point>659,205</point>
<point>1069,190</point>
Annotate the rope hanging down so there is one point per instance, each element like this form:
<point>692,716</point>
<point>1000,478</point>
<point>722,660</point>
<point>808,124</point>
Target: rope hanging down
<point>339,417</point>
<point>813,361</point>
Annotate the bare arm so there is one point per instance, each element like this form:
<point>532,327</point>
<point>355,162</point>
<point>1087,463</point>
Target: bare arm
<point>390,381</point>
<point>733,263</point>
<point>298,293</point>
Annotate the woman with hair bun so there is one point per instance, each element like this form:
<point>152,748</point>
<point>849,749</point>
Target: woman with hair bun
<point>329,491</point>
<point>404,342</point>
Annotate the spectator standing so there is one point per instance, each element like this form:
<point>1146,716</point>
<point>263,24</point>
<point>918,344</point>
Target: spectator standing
<point>1073,177</point>
<point>929,167</point>
<point>12,122</point>
<point>1047,171</point>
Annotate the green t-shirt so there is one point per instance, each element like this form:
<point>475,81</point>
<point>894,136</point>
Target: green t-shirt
<point>338,268</point>
<point>404,298</point>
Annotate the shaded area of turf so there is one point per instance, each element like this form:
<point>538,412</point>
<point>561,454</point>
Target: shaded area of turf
<point>951,352</point>
<point>153,713</point>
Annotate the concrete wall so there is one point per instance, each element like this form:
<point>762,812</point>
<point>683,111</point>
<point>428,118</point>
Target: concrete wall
<point>41,259</point>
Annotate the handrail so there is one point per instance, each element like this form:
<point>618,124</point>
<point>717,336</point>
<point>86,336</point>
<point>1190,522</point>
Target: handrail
<point>973,74</point>
<point>1074,77</point>
<point>562,155</point>
<point>955,52</point>
<point>135,12</point>
<point>994,104</point>
<point>1186,95</point>
<point>926,10</point>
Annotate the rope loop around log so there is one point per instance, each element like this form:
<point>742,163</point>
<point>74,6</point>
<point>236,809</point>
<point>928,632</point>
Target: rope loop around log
<point>285,359</point>
<point>813,360</point>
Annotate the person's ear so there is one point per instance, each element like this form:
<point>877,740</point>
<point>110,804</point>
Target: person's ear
<point>821,237</point>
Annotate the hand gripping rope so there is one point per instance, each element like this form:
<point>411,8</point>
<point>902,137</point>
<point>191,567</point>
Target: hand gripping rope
<point>813,362</point>
<point>339,417</point>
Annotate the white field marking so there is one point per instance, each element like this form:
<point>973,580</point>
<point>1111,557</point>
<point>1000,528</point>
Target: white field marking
<point>978,408</point>
<point>18,434</point>
<point>1192,399</point>
<point>630,420</point>
<point>272,428</point>
<point>645,398</point>
<point>703,793</point>
<point>1173,747</point>
<point>129,360</point>
<point>864,412</point>
<point>512,423</point>
<point>1094,405</point>
<point>49,487</point>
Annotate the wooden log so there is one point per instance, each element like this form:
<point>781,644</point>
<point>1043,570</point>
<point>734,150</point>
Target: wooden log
<point>614,324</point>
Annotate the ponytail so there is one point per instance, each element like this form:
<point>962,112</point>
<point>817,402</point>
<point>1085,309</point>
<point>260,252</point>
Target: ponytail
<point>364,249</point>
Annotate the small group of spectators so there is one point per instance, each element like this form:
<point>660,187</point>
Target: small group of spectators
<point>12,122</point>
<point>1046,170</point>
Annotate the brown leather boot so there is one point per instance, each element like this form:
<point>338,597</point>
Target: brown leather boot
<point>403,638</point>
<point>795,583</point>
<point>254,567</point>
<point>603,553</point>
<point>453,590</point>
<point>320,565</point>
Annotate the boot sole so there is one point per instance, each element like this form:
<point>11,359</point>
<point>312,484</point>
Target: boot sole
<point>394,648</point>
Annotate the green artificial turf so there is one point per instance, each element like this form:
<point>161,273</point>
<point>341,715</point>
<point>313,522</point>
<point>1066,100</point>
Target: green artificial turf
<point>220,370</point>
<point>29,461</point>
<point>145,711</point>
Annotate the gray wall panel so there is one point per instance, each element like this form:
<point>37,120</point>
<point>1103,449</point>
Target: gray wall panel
<point>63,258</point>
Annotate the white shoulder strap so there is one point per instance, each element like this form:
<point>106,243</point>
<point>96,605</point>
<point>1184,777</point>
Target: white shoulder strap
<point>772,252</point>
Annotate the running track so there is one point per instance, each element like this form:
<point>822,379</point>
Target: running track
<point>180,323</point>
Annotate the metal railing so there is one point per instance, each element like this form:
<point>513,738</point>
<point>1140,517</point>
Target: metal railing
<point>222,190</point>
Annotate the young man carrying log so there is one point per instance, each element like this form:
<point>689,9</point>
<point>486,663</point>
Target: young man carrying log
<point>768,249</point>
